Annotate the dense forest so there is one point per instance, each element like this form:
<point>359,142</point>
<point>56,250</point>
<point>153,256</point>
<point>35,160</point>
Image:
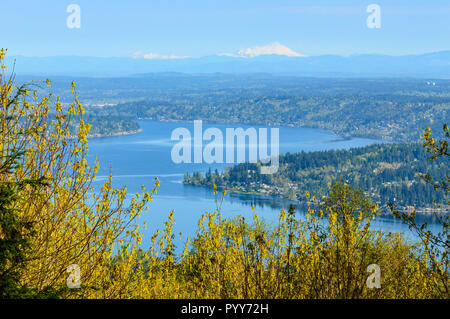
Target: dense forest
<point>108,125</point>
<point>386,172</point>
<point>388,117</point>
<point>389,109</point>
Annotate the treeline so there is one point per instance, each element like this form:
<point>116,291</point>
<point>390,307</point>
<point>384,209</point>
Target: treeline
<point>107,125</point>
<point>391,109</point>
<point>386,172</point>
<point>396,117</point>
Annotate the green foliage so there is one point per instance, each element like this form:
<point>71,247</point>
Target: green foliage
<point>391,117</point>
<point>15,232</point>
<point>393,109</point>
<point>107,125</point>
<point>387,173</point>
<point>14,235</point>
<point>436,244</point>
<point>347,201</point>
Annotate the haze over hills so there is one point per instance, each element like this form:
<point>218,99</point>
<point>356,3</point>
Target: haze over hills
<point>433,65</point>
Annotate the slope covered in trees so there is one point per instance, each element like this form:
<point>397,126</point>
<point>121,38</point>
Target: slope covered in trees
<point>393,109</point>
<point>101,126</point>
<point>388,117</point>
<point>387,172</point>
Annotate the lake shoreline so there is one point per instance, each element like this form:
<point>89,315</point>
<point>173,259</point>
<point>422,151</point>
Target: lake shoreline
<point>426,211</point>
<point>342,137</point>
<point>116,134</point>
<point>339,136</point>
<point>134,160</point>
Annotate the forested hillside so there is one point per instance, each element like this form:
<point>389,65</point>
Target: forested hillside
<point>386,172</point>
<point>388,117</point>
<point>101,126</point>
<point>391,109</point>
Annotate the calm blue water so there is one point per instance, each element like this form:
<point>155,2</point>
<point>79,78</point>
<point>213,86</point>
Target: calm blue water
<point>136,160</point>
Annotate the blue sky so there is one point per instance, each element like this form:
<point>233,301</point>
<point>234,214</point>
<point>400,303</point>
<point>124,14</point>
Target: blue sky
<point>206,27</point>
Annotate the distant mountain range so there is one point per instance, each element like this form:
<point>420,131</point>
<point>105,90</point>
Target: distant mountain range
<point>431,65</point>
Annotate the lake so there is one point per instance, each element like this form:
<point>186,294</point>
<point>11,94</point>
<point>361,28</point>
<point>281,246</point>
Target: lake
<point>137,159</point>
